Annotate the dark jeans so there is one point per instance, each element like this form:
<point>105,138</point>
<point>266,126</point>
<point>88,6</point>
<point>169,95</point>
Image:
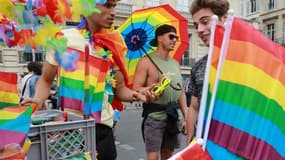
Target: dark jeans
<point>105,143</point>
<point>188,98</point>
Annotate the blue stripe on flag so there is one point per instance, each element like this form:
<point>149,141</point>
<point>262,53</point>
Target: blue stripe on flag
<point>250,123</point>
<point>220,153</point>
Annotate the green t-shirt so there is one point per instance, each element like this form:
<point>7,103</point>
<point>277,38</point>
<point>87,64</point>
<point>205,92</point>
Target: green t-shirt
<point>169,68</point>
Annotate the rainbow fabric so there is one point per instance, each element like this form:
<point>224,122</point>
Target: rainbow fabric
<point>193,151</point>
<point>14,127</point>
<point>8,90</point>
<point>248,116</point>
<point>82,90</point>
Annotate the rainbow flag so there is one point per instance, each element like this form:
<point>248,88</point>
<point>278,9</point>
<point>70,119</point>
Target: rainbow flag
<point>17,153</point>
<point>193,151</point>
<point>82,90</point>
<point>249,104</point>
<point>8,90</point>
<point>14,127</point>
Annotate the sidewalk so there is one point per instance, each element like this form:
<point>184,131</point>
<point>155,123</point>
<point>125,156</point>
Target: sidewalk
<point>133,105</point>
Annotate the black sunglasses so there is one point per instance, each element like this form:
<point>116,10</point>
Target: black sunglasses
<point>172,36</point>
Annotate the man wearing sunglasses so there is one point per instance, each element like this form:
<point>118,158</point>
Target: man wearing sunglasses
<point>160,127</point>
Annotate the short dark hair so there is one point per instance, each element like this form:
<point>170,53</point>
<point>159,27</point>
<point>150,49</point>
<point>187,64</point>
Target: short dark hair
<point>219,7</point>
<point>160,31</point>
<point>38,68</point>
<point>31,66</point>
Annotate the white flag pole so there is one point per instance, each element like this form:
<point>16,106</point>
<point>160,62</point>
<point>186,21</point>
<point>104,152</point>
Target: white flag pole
<point>203,103</point>
<point>223,52</point>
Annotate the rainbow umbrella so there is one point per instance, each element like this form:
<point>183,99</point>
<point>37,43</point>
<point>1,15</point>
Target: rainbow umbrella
<point>139,29</point>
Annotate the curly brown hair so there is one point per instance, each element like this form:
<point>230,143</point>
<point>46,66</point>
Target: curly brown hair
<point>219,7</point>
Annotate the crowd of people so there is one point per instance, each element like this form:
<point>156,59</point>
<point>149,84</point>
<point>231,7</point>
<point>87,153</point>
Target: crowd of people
<point>164,114</point>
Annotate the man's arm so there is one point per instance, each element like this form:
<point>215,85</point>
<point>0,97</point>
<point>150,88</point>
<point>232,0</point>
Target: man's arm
<point>43,85</point>
<point>123,92</point>
<point>183,103</point>
<point>192,117</point>
<point>141,77</point>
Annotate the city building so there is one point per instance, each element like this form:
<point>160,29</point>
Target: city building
<point>266,15</point>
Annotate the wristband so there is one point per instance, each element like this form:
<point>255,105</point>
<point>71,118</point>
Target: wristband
<point>135,95</point>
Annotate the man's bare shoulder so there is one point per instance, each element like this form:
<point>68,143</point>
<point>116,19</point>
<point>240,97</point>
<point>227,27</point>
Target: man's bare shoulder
<point>144,62</point>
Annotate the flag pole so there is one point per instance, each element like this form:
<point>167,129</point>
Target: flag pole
<point>86,105</point>
<point>223,52</point>
<point>203,103</point>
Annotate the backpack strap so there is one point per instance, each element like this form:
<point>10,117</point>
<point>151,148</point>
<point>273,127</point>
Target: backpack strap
<point>25,85</point>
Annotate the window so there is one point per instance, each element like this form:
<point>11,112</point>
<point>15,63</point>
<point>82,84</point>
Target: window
<point>1,56</point>
<point>186,59</point>
<point>183,5</point>
<point>253,6</point>
<point>151,3</point>
<point>242,8</point>
<point>271,4</point>
<point>270,29</point>
<point>39,54</point>
<point>28,55</point>
<point>283,37</point>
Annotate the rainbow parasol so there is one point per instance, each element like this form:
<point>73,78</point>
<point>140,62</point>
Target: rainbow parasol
<point>139,29</point>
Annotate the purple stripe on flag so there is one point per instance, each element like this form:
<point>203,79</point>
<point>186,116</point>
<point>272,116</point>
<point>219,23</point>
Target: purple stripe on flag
<point>96,116</point>
<point>10,137</point>
<point>71,103</point>
<point>241,142</point>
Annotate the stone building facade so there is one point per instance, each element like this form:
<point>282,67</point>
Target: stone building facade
<point>266,15</point>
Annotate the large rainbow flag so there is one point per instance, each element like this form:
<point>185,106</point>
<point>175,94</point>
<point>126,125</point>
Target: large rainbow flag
<point>249,103</point>
<point>82,90</point>
<point>14,127</point>
<point>8,90</point>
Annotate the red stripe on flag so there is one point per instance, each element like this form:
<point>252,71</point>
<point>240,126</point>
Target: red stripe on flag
<point>244,32</point>
<point>249,147</point>
<point>8,77</point>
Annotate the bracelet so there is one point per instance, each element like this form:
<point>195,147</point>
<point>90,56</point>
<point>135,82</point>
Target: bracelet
<point>135,95</point>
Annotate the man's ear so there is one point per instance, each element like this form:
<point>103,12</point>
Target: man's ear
<point>159,38</point>
<point>223,18</point>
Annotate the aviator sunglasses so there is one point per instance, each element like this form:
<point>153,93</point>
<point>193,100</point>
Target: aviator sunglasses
<point>172,36</point>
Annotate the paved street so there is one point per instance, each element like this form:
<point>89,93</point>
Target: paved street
<point>128,135</point>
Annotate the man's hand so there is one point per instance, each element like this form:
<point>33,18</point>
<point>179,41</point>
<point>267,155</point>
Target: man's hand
<point>149,96</point>
<point>182,128</point>
<point>36,103</point>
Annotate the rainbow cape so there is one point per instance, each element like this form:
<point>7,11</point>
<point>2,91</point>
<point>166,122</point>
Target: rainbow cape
<point>14,127</point>
<point>82,90</point>
<point>8,90</point>
<point>248,100</point>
